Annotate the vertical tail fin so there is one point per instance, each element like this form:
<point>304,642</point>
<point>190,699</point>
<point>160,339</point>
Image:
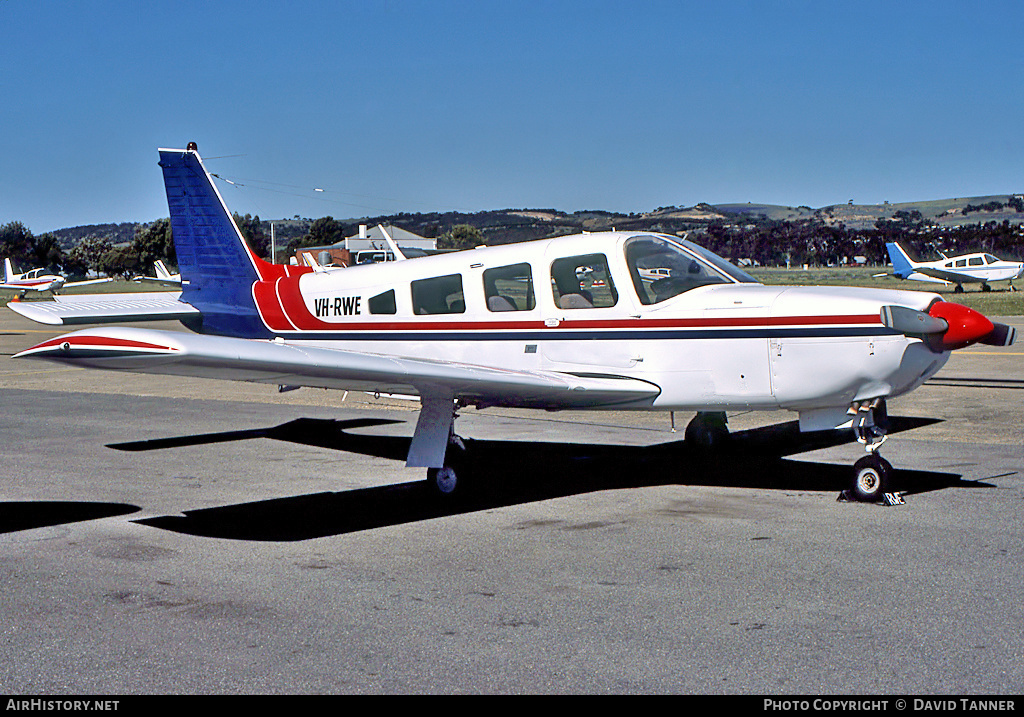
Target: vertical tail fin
<point>8,271</point>
<point>161,270</point>
<point>902,265</point>
<point>217,268</point>
<point>311,262</point>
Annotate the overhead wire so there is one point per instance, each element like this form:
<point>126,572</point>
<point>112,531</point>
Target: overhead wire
<point>306,192</point>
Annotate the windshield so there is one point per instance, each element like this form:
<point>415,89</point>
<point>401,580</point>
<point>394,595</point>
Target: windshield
<point>720,263</point>
<point>662,268</point>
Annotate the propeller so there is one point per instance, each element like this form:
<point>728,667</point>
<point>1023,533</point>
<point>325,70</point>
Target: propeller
<point>947,326</point>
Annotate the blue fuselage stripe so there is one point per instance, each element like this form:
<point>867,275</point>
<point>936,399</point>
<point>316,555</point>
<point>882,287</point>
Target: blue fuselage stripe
<point>585,335</point>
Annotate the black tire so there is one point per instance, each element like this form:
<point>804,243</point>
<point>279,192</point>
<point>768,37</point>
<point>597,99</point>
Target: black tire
<point>443,481</point>
<point>707,432</point>
<point>450,480</point>
<point>870,479</point>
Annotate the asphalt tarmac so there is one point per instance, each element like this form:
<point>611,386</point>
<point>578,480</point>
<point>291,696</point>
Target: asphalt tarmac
<point>292,552</point>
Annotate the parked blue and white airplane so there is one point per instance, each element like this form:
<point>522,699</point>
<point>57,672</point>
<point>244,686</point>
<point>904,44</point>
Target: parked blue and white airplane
<point>979,268</point>
<point>575,322</point>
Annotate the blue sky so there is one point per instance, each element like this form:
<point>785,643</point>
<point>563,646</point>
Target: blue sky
<point>435,105</point>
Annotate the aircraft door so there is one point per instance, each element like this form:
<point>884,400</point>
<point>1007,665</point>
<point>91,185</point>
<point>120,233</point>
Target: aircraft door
<point>581,311</point>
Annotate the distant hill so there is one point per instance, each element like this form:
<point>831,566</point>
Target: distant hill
<point>505,226</point>
<point>117,233</point>
<point>943,212</point>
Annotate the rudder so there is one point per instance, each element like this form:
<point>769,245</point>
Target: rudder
<point>217,267</point>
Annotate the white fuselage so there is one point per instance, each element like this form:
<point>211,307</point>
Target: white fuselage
<point>977,268</point>
<point>34,280</point>
<point>720,341</point>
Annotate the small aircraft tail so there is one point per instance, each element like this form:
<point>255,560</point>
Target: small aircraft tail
<point>311,262</point>
<point>218,269</point>
<point>161,270</point>
<point>902,265</point>
<point>8,271</point>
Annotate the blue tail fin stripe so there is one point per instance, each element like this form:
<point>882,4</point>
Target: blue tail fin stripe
<point>217,269</point>
<point>900,264</point>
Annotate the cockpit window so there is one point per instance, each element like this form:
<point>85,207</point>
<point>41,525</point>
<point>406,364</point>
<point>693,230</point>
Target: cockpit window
<point>661,269</point>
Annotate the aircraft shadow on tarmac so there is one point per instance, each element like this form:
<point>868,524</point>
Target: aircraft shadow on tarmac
<point>24,515</point>
<point>510,473</point>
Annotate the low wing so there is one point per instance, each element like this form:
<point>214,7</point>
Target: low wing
<point>20,287</point>
<point>276,362</point>
<point>87,282</point>
<point>923,273</point>
<point>106,308</point>
<point>946,275</point>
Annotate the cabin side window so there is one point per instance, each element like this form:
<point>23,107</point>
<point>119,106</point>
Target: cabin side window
<point>661,270</point>
<point>509,288</point>
<point>582,282</point>
<point>383,303</point>
<point>438,295</point>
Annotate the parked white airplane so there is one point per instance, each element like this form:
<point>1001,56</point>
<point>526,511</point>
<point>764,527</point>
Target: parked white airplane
<point>163,275</point>
<point>39,280</point>
<point>515,325</point>
<point>977,268</point>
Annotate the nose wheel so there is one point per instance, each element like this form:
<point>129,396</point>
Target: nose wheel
<point>870,478</point>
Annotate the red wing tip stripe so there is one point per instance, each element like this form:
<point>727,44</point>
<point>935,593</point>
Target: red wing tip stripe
<point>102,342</point>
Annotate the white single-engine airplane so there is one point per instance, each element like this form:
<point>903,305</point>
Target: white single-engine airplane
<point>977,268</point>
<point>516,325</point>
<point>39,280</point>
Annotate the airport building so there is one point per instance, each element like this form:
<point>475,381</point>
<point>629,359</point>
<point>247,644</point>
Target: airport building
<point>369,245</point>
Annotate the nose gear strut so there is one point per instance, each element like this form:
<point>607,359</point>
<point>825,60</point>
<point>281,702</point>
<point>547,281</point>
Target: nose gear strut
<point>871,473</point>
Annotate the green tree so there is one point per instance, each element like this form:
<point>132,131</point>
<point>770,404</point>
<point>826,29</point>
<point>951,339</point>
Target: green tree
<point>47,251</point>
<point>88,254</point>
<point>254,234</point>
<point>121,259</point>
<point>461,236</point>
<point>17,244</point>
<point>323,232</point>
<point>152,242</point>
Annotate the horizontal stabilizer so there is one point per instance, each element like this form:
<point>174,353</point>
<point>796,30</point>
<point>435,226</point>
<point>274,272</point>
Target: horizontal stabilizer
<point>106,308</point>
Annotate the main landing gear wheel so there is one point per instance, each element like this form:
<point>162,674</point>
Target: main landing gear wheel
<point>443,480</point>
<point>450,479</point>
<point>870,478</point>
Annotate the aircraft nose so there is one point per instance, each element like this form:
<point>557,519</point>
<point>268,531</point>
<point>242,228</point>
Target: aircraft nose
<point>967,326</point>
<point>947,326</point>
